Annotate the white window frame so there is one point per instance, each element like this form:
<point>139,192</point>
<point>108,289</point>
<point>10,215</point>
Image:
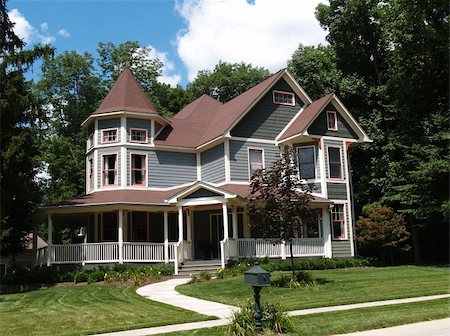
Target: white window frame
<point>109,130</point>
<point>116,177</point>
<point>90,141</point>
<point>315,162</point>
<point>91,185</point>
<point>140,130</point>
<point>249,163</point>
<point>329,162</point>
<point>344,221</point>
<point>275,93</point>
<point>335,126</point>
<point>145,184</point>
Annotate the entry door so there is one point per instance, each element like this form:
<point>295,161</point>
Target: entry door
<point>215,234</point>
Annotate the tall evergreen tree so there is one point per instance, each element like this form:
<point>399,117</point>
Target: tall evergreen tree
<point>20,110</point>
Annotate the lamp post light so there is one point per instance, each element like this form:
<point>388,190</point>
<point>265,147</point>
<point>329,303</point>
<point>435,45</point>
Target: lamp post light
<point>257,278</point>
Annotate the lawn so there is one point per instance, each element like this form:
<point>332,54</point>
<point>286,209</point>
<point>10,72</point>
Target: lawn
<point>324,324</point>
<point>340,286</point>
<point>85,309</point>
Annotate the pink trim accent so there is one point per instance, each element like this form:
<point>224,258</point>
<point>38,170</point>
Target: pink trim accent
<point>292,95</point>
<point>110,130</point>
<point>143,170</point>
<point>140,130</point>
<point>318,142</point>
<point>103,171</point>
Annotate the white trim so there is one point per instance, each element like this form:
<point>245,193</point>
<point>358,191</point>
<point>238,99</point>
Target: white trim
<point>349,204</point>
<point>180,224</point>
<point>196,186</point>
<point>106,115</point>
<point>123,168</point>
<point>289,123</point>
<point>297,88</point>
<point>95,133</point>
<point>131,153</point>
<point>270,142</point>
<point>145,141</point>
<point>201,201</point>
<point>152,132</point>
<point>233,182</point>
<point>108,130</point>
<point>226,150</point>
<point>226,234</point>
<point>123,130</point>
<point>326,232</point>
<point>102,162</point>
<point>249,148</point>
<point>346,236</point>
<point>199,166</point>
<point>325,137</point>
<point>96,170</point>
<point>323,169</point>
<point>275,92</point>
<point>309,180</point>
<point>335,127</point>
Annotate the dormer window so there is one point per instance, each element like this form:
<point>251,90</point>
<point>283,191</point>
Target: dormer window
<point>109,135</point>
<point>283,98</point>
<point>332,121</point>
<point>138,135</point>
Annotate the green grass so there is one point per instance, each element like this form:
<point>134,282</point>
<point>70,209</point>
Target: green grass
<point>324,324</point>
<point>85,309</point>
<point>342,286</point>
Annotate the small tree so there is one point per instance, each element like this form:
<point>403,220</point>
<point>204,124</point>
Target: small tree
<point>384,231</point>
<point>278,207</point>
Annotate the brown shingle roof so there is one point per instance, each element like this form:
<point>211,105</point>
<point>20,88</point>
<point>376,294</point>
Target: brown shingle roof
<point>306,116</point>
<point>126,95</point>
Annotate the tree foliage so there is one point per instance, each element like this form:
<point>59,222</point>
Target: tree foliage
<point>277,208</point>
<point>384,231</point>
<point>226,81</point>
<point>20,109</point>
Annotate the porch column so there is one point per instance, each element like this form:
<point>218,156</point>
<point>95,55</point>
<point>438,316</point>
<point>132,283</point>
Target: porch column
<point>50,239</point>
<point>225,220</point>
<point>166,236</point>
<point>180,223</point>
<point>326,232</point>
<point>235,222</point>
<point>120,235</point>
<point>188,226</point>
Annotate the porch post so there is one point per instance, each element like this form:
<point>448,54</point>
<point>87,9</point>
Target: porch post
<point>166,236</point>
<point>50,239</point>
<point>120,236</point>
<point>225,220</point>
<point>180,223</point>
<point>188,226</point>
<point>235,222</point>
<point>326,232</point>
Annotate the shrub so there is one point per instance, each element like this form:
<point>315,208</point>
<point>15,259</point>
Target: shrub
<point>96,276</point>
<point>165,269</point>
<point>302,279</point>
<point>274,320</point>
<point>80,276</point>
<point>205,275</point>
<point>194,279</point>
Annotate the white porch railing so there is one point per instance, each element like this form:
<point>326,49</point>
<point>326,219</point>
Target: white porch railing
<point>302,247</point>
<point>143,252</point>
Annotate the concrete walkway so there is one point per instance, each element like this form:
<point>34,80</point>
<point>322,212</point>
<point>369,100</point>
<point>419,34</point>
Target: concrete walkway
<point>165,292</point>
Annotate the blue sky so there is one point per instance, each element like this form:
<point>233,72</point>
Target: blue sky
<point>186,35</point>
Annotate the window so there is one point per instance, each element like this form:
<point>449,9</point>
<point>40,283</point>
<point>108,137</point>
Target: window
<point>91,174</point>
<point>110,170</point>
<point>338,221</point>
<point>90,142</point>
<point>311,226</point>
<point>332,121</point>
<point>306,162</point>
<point>138,171</point>
<point>334,162</point>
<point>284,98</point>
<point>109,135</point>
<point>255,160</point>
<point>138,135</point>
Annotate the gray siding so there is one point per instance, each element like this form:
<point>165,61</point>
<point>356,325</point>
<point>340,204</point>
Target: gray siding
<point>137,123</point>
<point>316,153</point>
<point>239,169</point>
<point>168,169</point>
<point>213,164</point>
<point>266,119</point>
<point>108,151</point>
<point>337,191</point>
<point>108,123</point>
<point>335,143</point>
<point>342,248</point>
<point>320,127</point>
<point>313,187</point>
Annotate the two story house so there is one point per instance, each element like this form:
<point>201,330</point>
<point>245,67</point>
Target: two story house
<point>174,189</point>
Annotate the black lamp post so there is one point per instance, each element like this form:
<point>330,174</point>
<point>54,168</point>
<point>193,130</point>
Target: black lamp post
<point>257,278</point>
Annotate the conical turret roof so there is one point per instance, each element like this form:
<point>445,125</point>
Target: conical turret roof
<point>126,95</point>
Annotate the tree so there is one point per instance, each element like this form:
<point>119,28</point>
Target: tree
<point>20,110</point>
<point>226,81</point>
<point>384,231</point>
<point>72,92</point>
<point>168,100</point>
<point>277,208</point>
<point>140,60</point>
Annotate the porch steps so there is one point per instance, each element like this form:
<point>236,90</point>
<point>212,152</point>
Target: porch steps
<point>198,266</point>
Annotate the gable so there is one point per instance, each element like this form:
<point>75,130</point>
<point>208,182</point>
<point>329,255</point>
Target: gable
<point>267,119</point>
<point>319,125</point>
<point>202,192</point>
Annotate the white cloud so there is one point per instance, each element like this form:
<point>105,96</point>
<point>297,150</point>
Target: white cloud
<point>263,32</point>
<point>27,32</point>
<point>64,33</point>
<point>168,76</point>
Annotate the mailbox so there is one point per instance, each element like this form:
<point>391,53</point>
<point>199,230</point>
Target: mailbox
<point>257,277</point>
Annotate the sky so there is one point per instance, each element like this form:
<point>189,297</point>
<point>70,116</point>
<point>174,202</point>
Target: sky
<point>186,35</point>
